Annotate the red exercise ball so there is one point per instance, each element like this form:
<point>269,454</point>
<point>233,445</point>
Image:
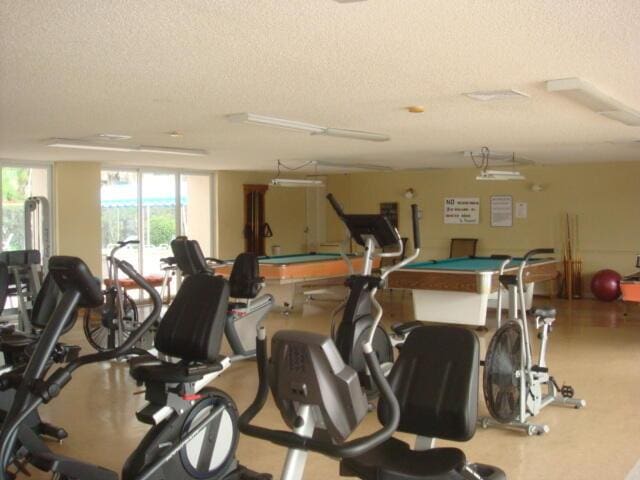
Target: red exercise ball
<point>605,285</point>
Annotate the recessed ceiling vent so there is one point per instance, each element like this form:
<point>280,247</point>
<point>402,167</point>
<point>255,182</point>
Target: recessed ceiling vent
<point>492,95</point>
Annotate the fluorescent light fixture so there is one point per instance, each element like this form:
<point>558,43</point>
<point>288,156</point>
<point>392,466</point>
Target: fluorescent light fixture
<point>499,175</point>
<point>355,134</point>
<point>490,95</point>
<point>113,136</point>
<point>357,166</point>
<point>80,145</point>
<point>588,95</point>
<point>503,157</point>
<point>296,182</point>
<point>264,120</point>
<point>256,119</point>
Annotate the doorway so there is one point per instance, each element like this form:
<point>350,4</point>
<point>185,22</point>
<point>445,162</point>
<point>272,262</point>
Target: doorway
<point>255,227</point>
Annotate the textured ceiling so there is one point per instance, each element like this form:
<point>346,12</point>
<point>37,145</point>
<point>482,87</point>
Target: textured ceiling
<point>146,67</point>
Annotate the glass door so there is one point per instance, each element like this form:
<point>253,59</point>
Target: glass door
<point>159,213</point>
<point>120,215</point>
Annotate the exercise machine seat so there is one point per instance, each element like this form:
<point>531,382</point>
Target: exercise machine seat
<point>190,330</point>
<point>402,463</point>
<point>435,380</point>
<point>15,344</point>
<point>245,280</point>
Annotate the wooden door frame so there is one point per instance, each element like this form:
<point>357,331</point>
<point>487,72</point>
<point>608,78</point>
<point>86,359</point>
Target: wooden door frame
<point>256,236</point>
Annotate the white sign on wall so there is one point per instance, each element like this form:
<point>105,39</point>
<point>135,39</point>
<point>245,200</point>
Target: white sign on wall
<point>462,210</point>
<point>501,211</point>
<point>521,209</point>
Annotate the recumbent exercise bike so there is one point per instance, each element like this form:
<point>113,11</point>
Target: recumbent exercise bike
<point>194,432</point>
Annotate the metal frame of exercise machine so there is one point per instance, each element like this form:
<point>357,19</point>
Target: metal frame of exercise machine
<point>515,388</point>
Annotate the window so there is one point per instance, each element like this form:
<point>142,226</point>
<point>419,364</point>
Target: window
<point>19,183</point>
<point>153,207</point>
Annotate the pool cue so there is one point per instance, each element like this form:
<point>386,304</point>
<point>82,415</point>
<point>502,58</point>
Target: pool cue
<point>569,272</point>
<point>578,269</point>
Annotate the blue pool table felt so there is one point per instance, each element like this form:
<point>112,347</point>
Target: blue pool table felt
<point>466,263</point>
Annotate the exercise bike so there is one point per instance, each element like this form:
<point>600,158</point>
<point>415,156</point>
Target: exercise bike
<point>246,309</point>
<point>320,397</point>
<point>515,388</point>
<point>193,434</point>
<point>109,325</point>
<point>374,232</point>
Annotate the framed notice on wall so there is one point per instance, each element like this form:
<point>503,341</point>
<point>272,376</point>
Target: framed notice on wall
<point>501,211</point>
<point>462,210</point>
<point>390,210</point>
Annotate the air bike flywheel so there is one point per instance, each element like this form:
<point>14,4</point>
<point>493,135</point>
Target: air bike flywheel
<point>502,371</point>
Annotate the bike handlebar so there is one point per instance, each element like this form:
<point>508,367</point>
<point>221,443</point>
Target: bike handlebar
<point>124,243</point>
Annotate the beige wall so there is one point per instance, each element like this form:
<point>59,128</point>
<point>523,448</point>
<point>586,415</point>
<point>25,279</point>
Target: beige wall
<point>284,211</point>
<point>606,198</point>
<point>77,211</point>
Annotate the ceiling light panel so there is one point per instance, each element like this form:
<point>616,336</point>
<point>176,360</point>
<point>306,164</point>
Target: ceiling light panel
<point>588,95</point>
<point>255,119</point>
<point>492,95</point>
<point>82,145</point>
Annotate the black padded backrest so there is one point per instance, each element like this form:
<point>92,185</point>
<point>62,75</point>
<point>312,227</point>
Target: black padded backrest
<point>189,256</point>
<point>72,272</point>
<point>4,284</point>
<point>181,254</point>
<point>193,326</point>
<point>435,379</point>
<point>245,280</point>
<point>196,256</point>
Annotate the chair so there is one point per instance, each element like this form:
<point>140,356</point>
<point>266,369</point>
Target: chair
<point>435,380</point>
<point>463,247</point>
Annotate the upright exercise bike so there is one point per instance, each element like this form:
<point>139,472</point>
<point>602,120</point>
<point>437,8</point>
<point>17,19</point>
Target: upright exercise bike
<point>374,232</point>
<point>194,431</point>
<point>515,388</point>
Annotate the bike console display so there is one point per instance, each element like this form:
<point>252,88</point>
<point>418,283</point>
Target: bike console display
<point>363,226</point>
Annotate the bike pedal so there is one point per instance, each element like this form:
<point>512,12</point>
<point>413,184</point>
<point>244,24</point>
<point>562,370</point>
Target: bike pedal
<point>567,391</point>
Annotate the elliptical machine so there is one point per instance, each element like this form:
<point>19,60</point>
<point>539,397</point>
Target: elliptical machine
<point>193,434</point>
<point>319,396</point>
<point>374,232</point>
<point>516,389</point>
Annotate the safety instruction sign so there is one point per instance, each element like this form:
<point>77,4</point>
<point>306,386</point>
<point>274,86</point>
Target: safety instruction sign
<point>462,210</point>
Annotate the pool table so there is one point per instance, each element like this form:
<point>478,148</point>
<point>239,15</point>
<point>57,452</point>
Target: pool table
<point>459,290</point>
<point>288,275</point>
